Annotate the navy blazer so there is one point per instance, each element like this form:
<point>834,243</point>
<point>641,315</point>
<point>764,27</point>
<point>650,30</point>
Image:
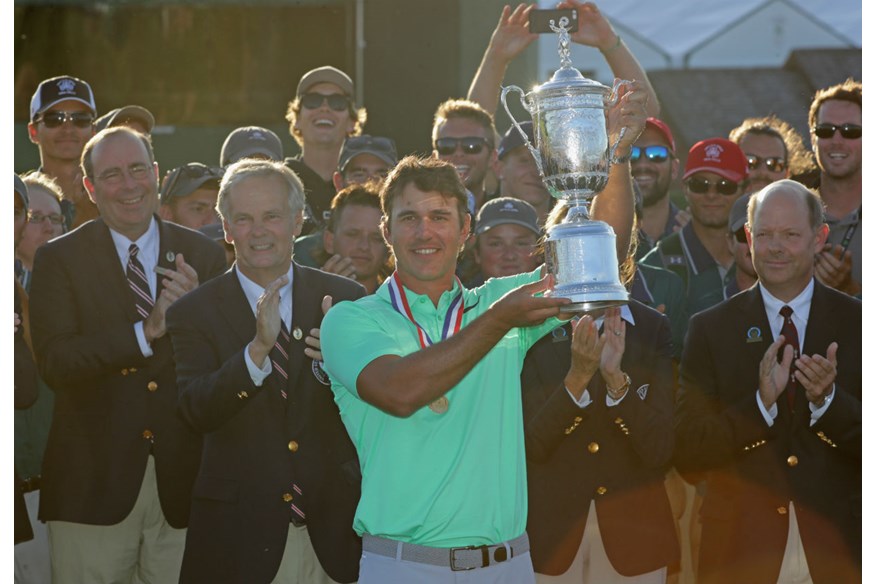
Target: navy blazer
<point>113,406</point>
<point>752,471</point>
<point>616,455</point>
<point>256,444</point>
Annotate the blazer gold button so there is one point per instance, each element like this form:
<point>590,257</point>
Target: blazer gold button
<point>593,447</point>
<point>618,420</point>
<point>782,511</point>
<point>124,371</point>
<point>147,434</point>
<point>287,497</point>
<point>578,419</point>
<point>792,460</point>
<point>133,369</point>
<point>151,386</point>
<point>293,446</point>
<point>601,491</point>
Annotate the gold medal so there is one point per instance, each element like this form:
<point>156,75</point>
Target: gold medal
<point>297,334</point>
<point>440,405</point>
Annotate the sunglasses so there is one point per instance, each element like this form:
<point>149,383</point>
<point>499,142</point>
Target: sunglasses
<point>192,171</point>
<point>740,235</point>
<point>652,153</point>
<point>701,186</point>
<point>56,119</point>
<point>38,218</point>
<point>336,101</point>
<point>773,163</point>
<point>470,145</point>
<point>847,131</point>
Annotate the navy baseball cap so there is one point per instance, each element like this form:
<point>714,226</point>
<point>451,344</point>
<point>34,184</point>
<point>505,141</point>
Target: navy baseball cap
<point>58,89</point>
<point>512,139</point>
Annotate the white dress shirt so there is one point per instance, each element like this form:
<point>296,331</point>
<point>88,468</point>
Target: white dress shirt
<point>253,292</point>
<point>148,257</point>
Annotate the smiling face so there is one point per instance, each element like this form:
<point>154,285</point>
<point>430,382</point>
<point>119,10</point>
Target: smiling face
<point>472,167</point>
<point>64,143</point>
<point>45,207</point>
<point>262,227</point>
<point>784,243</point>
<point>506,250</point>
<point>323,126</point>
<point>357,236</point>
<point>838,157</point>
<point>194,210</point>
<point>124,183</point>
<point>710,209</point>
<point>653,177</point>
<point>764,146</point>
<point>426,235</point>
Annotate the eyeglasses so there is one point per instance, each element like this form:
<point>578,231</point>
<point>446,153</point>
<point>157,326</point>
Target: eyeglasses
<point>38,218</point>
<point>740,235</point>
<point>193,171</point>
<point>470,145</point>
<point>652,153</point>
<point>701,186</point>
<point>773,163</point>
<point>336,101</point>
<point>116,175</point>
<point>56,119</point>
<point>847,131</point>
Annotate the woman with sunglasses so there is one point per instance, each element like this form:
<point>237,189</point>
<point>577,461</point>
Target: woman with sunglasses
<point>774,150</point>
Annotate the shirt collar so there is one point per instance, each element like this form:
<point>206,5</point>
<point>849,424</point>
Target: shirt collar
<point>253,292</point>
<point>800,304</point>
<point>698,256</point>
<point>148,244</point>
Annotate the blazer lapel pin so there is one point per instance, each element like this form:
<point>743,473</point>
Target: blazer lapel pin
<point>754,335</point>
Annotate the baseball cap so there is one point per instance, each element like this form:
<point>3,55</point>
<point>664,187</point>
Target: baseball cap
<point>119,116</point>
<point>661,127</point>
<point>214,231</point>
<point>382,148</point>
<point>738,214</point>
<point>503,210</point>
<point>21,191</point>
<point>512,139</point>
<point>58,89</point>
<point>717,155</point>
<point>249,141</point>
<point>325,74</point>
<point>186,179</point>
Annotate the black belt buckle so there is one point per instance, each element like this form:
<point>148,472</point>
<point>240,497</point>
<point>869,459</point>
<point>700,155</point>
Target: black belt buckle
<point>485,557</point>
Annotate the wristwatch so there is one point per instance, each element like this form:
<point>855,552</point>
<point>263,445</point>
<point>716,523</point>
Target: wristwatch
<point>618,393</point>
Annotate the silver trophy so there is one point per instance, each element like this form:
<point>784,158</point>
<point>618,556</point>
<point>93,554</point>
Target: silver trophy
<point>573,157</point>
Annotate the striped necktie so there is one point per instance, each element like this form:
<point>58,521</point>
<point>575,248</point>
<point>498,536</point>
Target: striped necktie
<point>138,283</point>
<point>789,331</point>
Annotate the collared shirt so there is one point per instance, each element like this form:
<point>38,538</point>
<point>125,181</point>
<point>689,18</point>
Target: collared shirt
<point>148,257</point>
<point>253,292</point>
<point>439,479</point>
<point>849,227</point>
<point>585,400</point>
<point>800,317</point>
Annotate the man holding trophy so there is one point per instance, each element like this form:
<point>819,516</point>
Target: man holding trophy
<point>426,373</point>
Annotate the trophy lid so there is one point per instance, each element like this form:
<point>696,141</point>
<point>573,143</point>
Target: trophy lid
<point>568,78</point>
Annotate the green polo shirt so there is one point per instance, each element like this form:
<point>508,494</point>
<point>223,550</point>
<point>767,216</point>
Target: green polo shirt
<point>438,479</point>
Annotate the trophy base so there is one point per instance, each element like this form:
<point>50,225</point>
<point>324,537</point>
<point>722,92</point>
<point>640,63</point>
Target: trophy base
<point>594,308</point>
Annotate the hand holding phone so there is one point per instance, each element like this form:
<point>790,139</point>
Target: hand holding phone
<point>540,20</point>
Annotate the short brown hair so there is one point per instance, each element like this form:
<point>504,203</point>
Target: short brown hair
<point>848,90</point>
<point>86,161</point>
<point>428,175</point>
<point>293,110</point>
<point>364,195</point>
<point>797,156</point>
<point>467,109</point>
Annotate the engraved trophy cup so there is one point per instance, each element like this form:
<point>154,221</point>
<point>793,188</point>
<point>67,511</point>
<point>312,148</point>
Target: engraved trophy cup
<point>573,157</point>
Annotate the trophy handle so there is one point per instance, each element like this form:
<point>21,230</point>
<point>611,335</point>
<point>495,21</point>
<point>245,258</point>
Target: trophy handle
<point>523,102</point>
<point>618,83</point>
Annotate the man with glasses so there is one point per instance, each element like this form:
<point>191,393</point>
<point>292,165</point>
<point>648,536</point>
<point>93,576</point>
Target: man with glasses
<point>321,117</point>
<point>188,195</point>
<point>62,113</point>
<point>120,462</point>
<point>773,148</point>
<point>714,177</point>
<point>463,134</point>
<point>737,242</point>
<point>835,131</point>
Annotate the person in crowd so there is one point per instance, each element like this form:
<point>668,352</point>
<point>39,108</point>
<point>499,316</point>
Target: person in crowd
<point>120,463</point>
<point>248,363</point>
<point>774,150</point>
<point>45,221</point>
<point>215,232</point>
<point>188,195</point>
<point>714,177</point>
<point>135,117</point>
<point>250,142</point>
<point>518,173</point>
<point>62,113</point>
<point>737,241</point>
<point>835,132</point>
<point>769,410</point>
<point>506,238</point>
<point>322,115</point>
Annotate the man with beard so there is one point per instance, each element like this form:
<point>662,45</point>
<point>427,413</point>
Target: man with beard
<point>835,131</point>
<point>774,150</point>
<point>715,176</point>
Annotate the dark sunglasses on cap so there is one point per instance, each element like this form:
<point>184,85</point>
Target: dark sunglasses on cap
<point>336,101</point>
<point>193,171</point>
<point>847,131</point>
<point>57,118</point>
<point>740,235</point>
<point>470,145</point>
<point>652,153</point>
<point>701,186</point>
<point>773,163</point>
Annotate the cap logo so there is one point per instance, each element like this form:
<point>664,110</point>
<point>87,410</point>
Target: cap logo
<point>66,86</point>
<point>256,135</point>
<point>713,152</point>
<point>509,206</point>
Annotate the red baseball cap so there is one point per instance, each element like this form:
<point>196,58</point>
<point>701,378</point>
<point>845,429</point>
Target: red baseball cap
<point>661,127</point>
<point>717,155</point>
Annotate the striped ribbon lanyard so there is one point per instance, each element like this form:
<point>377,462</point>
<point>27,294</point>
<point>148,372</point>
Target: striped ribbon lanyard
<point>452,320</point>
